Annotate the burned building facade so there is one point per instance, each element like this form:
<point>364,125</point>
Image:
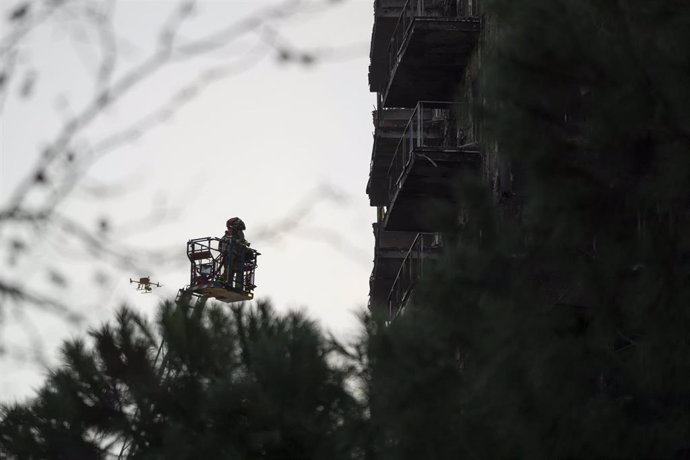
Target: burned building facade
<point>425,61</point>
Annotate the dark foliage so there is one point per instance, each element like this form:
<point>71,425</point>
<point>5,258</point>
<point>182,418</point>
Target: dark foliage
<point>561,330</point>
<point>245,383</point>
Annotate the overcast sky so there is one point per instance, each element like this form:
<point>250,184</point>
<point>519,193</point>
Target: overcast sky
<point>260,144</point>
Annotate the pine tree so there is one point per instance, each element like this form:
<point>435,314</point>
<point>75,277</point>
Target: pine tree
<point>240,383</point>
<point>563,331</point>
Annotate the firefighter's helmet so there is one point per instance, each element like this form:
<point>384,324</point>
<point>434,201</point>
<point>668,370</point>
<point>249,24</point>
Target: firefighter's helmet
<point>235,222</point>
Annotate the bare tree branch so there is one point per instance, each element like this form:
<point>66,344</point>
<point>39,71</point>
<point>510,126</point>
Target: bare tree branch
<point>165,53</point>
<point>293,219</point>
<point>108,42</point>
<point>18,292</point>
<point>25,25</point>
<point>175,103</point>
<point>35,205</point>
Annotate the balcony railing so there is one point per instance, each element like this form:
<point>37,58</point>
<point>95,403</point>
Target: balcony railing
<point>410,10</point>
<point>430,45</point>
<point>422,251</point>
<point>389,125</point>
<point>389,251</point>
<point>432,125</point>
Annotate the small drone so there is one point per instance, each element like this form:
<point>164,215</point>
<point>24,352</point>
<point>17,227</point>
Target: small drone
<point>144,284</point>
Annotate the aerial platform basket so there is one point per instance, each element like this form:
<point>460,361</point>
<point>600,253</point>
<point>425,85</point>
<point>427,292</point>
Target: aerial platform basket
<point>222,268</point>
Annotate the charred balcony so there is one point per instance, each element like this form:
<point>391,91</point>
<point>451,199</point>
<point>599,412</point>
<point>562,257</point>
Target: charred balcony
<point>429,47</point>
<point>390,249</point>
<point>389,125</point>
<point>424,251</point>
<point>431,154</point>
<point>386,15</point>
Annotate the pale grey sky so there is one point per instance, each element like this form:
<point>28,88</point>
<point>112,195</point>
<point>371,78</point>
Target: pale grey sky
<point>253,145</point>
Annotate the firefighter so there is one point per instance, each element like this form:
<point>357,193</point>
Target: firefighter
<point>232,248</point>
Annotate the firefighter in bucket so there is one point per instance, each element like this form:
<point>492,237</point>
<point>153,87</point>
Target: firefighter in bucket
<point>223,267</point>
<point>232,247</point>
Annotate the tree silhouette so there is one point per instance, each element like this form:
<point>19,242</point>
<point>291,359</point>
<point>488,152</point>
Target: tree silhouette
<point>239,383</point>
<point>557,326</point>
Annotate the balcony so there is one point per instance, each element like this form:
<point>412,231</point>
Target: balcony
<point>386,14</point>
<point>389,251</point>
<point>429,47</point>
<point>423,252</point>
<point>389,125</point>
<point>431,154</point>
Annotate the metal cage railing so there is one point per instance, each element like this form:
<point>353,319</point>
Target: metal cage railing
<point>419,8</point>
<point>410,272</point>
<point>222,263</point>
<point>433,125</point>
